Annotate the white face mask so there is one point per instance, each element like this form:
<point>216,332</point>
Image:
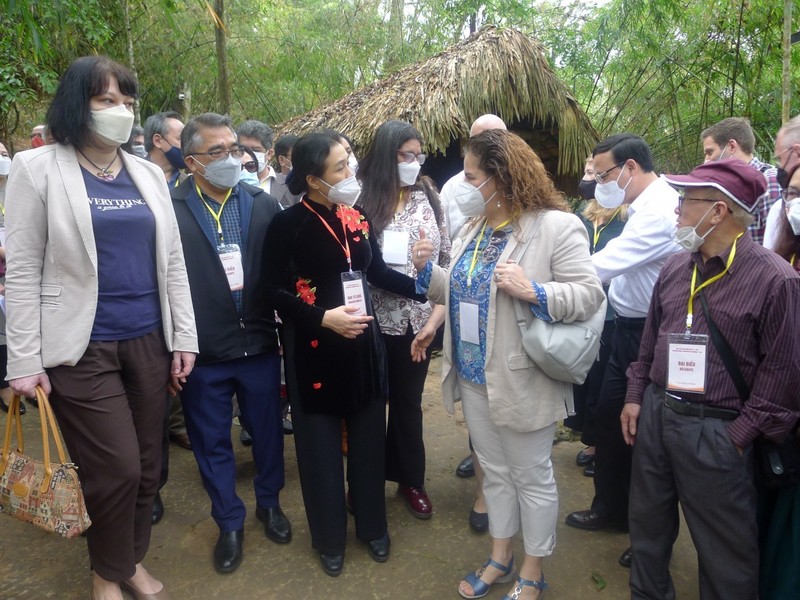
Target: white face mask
<point>5,165</point>
<point>113,124</point>
<point>408,172</point>
<point>688,238</point>
<point>247,177</point>
<point>138,150</point>
<point>793,214</point>
<point>469,198</point>
<point>223,173</point>
<point>609,194</point>
<point>352,162</point>
<point>345,192</point>
<point>261,157</point>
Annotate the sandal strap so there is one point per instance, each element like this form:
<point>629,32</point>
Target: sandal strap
<point>539,585</point>
<point>506,569</point>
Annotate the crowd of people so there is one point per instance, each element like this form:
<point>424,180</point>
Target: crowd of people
<point>207,262</point>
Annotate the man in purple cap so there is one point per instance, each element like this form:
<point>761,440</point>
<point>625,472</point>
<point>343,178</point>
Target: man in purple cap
<point>693,420</point>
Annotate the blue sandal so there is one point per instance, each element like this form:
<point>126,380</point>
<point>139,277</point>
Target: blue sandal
<point>521,583</point>
<point>479,587</point>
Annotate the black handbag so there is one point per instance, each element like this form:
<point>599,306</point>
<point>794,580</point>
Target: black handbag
<point>777,463</point>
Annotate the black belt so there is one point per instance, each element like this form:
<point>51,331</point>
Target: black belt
<point>637,322</point>
<point>695,409</point>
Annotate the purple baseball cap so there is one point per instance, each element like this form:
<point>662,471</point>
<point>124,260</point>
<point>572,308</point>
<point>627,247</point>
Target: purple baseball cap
<point>736,179</point>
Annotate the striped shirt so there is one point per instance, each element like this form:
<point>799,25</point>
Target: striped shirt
<point>755,307</point>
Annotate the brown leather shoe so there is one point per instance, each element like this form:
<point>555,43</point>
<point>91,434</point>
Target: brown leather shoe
<point>182,439</point>
<point>417,501</point>
<point>140,595</point>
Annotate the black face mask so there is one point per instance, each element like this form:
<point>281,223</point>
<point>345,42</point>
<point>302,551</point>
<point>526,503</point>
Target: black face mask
<point>783,176</point>
<point>586,188</point>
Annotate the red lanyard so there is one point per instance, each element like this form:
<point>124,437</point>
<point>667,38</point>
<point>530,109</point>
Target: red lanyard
<point>345,246</point>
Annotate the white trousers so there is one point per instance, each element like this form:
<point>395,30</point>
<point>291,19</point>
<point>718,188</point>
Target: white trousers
<point>519,485</point>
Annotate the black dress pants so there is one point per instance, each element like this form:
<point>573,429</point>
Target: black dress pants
<point>612,476</point>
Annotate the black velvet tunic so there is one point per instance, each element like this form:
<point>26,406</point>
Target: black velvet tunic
<point>303,264</point>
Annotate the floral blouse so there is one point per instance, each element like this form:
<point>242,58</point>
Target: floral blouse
<point>394,313</point>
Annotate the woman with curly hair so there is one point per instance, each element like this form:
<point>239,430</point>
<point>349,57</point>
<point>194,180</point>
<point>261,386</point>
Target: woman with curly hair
<point>525,247</point>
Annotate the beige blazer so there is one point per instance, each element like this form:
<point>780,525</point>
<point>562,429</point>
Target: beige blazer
<point>51,282</point>
<point>522,397</point>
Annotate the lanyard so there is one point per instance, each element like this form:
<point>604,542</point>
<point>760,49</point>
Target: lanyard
<point>217,215</point>
<point>597,231</point>
<point>345,246</point>
<point>477,245</point>
<point>695,290</point>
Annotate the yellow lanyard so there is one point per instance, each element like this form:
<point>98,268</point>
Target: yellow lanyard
<point>217,215</point>
<point>477,246</point>
<point>597,231</point>
<point>791,258</point>
<point>695,290</point>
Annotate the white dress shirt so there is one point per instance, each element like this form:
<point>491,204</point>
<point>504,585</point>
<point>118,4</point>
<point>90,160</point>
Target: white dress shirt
<point>266,183</point>
<point>632,261</point>
<point>454,217</point>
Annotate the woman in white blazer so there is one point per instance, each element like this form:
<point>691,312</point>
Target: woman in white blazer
<point>99,310</point>
<point>511,407</point>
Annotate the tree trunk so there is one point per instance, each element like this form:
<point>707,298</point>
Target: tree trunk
<point>786,96</point>
<point>221,39</point>
<point>131,61</point>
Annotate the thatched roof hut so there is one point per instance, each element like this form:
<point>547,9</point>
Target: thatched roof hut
<point>500,71</point>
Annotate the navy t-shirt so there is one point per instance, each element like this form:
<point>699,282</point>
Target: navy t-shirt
<point>128,303</point>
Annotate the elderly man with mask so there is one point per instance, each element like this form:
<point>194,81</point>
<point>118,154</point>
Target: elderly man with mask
<point>717,369</point>
<point>162,141</point>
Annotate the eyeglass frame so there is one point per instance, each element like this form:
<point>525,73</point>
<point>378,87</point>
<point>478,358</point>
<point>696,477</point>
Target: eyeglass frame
<point>601,177</point>
<point>682,199</point>
<point>237,152</point>
<point>251,166</point>
<point>785,192</point>
<point>409,157</point>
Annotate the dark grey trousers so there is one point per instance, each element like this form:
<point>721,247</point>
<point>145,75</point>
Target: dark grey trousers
<point>692,461</point>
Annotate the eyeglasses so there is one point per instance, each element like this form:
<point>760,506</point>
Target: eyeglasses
<point>601,177</point>
<point>236,152</point>
<point>250,166</point>
<point>409,157</point>
<point>682,199</point>
<point>790,194</point>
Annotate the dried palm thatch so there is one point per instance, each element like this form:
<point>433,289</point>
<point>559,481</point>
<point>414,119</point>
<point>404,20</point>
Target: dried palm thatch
<point>499,71</point>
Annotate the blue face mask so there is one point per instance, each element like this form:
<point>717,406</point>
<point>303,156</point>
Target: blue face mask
<point>175,157</point>
<point>247,177</point>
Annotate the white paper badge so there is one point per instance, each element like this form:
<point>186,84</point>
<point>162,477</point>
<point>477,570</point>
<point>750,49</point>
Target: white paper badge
<point>231,258</point>
<point>353,291</point>
<point>686,370</point>
<point>469,315</point>
<point>395,247</point>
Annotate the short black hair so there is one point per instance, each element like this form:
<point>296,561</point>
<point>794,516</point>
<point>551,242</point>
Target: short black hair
<point>284,144</point>
<point>257,130</point>
<point>191,137</point>
<point>626,146</point>
<point>308,158</point>
<point>70,114</point>
<point>157,124</point>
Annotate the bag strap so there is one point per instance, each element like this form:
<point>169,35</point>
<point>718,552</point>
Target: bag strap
<point>725,352</point>
<point>522,322</point>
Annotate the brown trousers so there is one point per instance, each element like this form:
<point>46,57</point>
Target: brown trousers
<point>110,408</point>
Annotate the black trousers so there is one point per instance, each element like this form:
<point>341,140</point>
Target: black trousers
<point>405,449</point>
<point>318,441</point>
<point>612,475</point>
<point>587,394</point>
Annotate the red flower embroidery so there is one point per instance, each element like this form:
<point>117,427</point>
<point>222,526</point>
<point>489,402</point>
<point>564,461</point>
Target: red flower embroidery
<point>356,238</point>
<point>353,220</point>
<point>316,386</point>
<point>314,343</point>
<point>305,292</point>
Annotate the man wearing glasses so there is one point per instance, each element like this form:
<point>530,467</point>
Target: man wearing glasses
<point>223,226</point>
<point>787,157</point>
<point>631,263</point>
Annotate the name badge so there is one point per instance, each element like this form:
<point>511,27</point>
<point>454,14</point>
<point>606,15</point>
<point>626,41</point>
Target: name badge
<point>353,291</point>
<point>469,320</point>
<point>686,370</point>
<point>231,258</point>
<point>395,247</point>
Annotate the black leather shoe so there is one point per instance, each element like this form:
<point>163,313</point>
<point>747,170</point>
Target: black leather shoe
<point>158,509</point>
<point>288,428</point>
<point>478,522</point>
<point>466,468</point>
<point>588,471</point>
<point>4,407</point>
<point>245,438</point>
<point>626,558</point>
<point>379,549</point>
<point>332,564</point>
<point>583,459</point>
<point>586,519</point>
<point>276,525</point>
<point>228,551</point>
